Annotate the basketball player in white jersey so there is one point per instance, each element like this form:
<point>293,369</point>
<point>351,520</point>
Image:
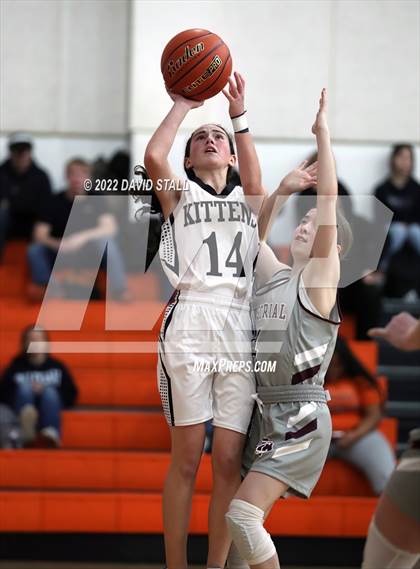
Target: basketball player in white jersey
<point>208,248</point>
<point>295,309</point>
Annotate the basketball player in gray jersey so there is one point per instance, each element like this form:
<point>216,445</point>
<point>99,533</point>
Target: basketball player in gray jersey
<point>296,321</point>
<point>208,247</point>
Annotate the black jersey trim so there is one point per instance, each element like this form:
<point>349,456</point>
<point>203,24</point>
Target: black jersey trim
<point>228,189</point>
<point>307,373</point>
<point>168,379</point>
<point>254,263</point>
<point>175,267</point>
<point>312,426</point>
<point>317,315</point>
<point>313,313</point>
<point>170,314</point>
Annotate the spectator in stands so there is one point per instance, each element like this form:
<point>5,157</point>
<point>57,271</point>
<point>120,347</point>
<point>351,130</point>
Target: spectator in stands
<point>356,393</point>
<point>37,387</point>
<point>24,187</point>
<point>401,194</point>
<point>88,231</point>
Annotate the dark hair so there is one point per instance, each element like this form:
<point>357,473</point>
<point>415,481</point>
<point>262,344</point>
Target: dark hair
<point>155,206</point>
<point>352,366</point>
<point>232,173</point>
<point>231,178</point>
<point>24,337</point>
<point>396,149</point>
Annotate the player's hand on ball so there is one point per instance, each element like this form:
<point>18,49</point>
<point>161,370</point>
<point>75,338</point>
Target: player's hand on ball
<point>236,95</point>
<point>190,103</point>
<point>321,123</point>
<point>302,178</point>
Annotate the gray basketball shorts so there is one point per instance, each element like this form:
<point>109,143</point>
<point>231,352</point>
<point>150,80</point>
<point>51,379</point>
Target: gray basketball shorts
<point>289,442</point>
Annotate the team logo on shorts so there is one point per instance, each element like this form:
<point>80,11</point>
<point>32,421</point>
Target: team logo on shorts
<point>264,446</point>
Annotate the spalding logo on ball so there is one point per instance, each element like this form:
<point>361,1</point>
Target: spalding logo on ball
<point>196,64</point>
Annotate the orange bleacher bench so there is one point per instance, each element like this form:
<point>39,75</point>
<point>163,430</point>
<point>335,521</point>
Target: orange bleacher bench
<point>125,512</point>
<point>141,471</point>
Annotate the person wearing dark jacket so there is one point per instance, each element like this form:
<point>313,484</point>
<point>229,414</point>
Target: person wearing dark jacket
<point>24,187</point>
<point>37,387</point>
<point>400,192</point>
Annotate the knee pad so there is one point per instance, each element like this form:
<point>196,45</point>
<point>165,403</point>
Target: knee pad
<point>379,552</point>
<point>235,559</point>
<point>245,522</point>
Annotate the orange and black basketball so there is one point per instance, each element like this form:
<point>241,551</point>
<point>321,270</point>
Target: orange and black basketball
<point>196,64</point>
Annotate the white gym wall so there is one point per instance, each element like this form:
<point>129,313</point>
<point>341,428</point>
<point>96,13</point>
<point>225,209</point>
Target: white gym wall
<point>366,53</point>
<point>64,77</point>
<point>83,77</point>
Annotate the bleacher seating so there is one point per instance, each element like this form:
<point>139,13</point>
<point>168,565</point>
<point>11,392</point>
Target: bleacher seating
<point>403,372</point>
<point>108,475</point>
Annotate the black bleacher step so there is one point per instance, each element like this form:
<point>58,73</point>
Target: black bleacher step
<point>402,390</point>
<point>390,356</point>
<point>392,306</point>
<point>403,382</point>
<point>404,427</point>
<point>396,373</point>
<point>403,409</point>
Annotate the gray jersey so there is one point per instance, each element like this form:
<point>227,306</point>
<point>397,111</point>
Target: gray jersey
<point>289,336</point>
<point>291,431</point>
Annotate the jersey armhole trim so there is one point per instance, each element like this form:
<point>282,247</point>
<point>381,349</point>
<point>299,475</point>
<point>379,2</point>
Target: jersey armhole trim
<point>317,315</point>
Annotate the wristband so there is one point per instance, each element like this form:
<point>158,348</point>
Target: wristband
<point>240,123</point>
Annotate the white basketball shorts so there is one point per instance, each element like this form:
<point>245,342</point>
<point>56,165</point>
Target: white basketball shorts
<point>205,363</point>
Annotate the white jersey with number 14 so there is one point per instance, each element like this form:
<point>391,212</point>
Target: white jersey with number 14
<point>209,243</point>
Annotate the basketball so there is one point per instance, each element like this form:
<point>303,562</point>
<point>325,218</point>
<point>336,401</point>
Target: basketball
<point>196,64</point>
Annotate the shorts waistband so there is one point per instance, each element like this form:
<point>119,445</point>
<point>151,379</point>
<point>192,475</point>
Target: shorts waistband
<point>292,393</point>
<point>216,300</point>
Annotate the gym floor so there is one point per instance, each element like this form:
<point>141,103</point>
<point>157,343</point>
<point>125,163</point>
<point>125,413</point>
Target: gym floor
<point>53,565</point>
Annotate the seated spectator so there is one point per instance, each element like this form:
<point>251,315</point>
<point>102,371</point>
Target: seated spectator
<point>87,233</point>
<point>355,392</point>
<point>37,387</point>
<point>24,187</point>
<point>401,194</point>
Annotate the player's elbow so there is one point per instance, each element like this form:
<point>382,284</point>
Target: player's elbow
<point>153,157</point>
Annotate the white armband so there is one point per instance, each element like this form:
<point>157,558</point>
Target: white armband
<point>240,123</point>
